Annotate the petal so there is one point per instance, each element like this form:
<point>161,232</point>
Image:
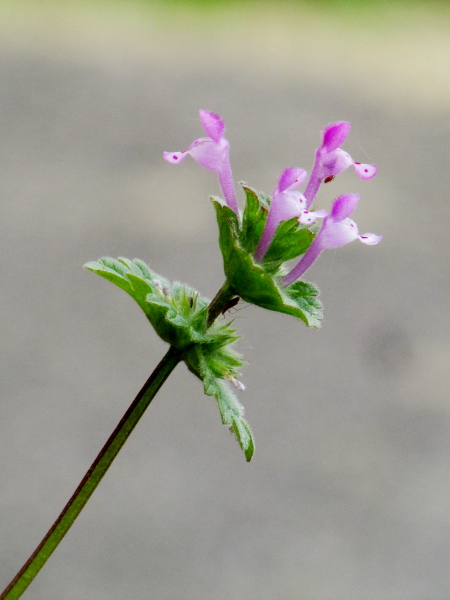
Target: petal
<point>334,135</point>
<point>370,239</point>
<point>237,384</point>
<point>296,197</point>
<point>335,162</point>
<point>212,124</point>
<point>291,178</point>
<point>343,206</point>
<point>365,171</point>
<point>200,141</point>
<point>209,154</point>
<point>175,157</point>
<point>337,234</point>
<point>309,217</point>
<point>285,206</point>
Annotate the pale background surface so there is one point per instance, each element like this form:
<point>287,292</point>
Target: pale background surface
<point>348,495</point>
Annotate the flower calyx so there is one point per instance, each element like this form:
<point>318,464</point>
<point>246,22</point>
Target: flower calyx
<point>258,281</point>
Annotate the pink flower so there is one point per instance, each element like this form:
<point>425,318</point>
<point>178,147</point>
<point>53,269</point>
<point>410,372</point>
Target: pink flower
<point>287,203</point>
<point>332,160</point>
<point>337,230</point>
<point>212,153</point>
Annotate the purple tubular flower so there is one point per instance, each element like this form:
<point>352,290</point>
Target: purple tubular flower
<point>212,153</point>
<point>287,203</point>
<point>332,160</point>
<point>337,230</point>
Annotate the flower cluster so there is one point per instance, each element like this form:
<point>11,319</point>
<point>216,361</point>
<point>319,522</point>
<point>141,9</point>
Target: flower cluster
<point>256,246</point>
<point>287,201</point>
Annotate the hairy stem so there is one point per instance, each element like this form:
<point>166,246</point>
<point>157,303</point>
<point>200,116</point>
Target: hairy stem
<point>105,458</point>
<point>93,477</point>
<point>219,304</point>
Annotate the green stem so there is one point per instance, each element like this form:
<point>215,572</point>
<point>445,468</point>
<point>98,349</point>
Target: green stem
<point>219,304</point>
<point>93,477</point>
<point>106,456</point>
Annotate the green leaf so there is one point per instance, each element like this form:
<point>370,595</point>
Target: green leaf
<point>288,242</point>
<point>254,219</point>
<point>228,226</point>
<point>231,412</point>
<point>199,361</point>
<point>176,312</point>
<point>256,284</point>
<point>112,270</point>
<point>228,214</point>
<point>243,433</point>
<point>132,276</point>
<point>305,294</point>
<point>214,352</point>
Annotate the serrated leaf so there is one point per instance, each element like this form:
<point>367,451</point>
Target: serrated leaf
<point>215,354</point>
<point>228,226</point>
<point>128,275</point>
<point>288,242</point>
<point>211,364</point>
<point>144,272</point>
<point>304,294</point>
<point>252,282</point>
<point>177,312</point>
<point>156,311</point>
<point>222,360</point>
<point>231,412</point>
<point>227,213</point>
<point>112,270</point>
<point>243,433</point>
<point>253,220</point>
<point>249,281</point>
<point>140,290</point>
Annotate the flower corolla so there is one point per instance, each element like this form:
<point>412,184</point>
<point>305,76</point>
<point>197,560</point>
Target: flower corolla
<point>332,160</point>
<point>212,153</point>
<point>337,230</point>
<point>287,202</point>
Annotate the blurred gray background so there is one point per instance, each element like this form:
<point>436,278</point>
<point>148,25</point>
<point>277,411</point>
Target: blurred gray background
<point>348,495</point>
